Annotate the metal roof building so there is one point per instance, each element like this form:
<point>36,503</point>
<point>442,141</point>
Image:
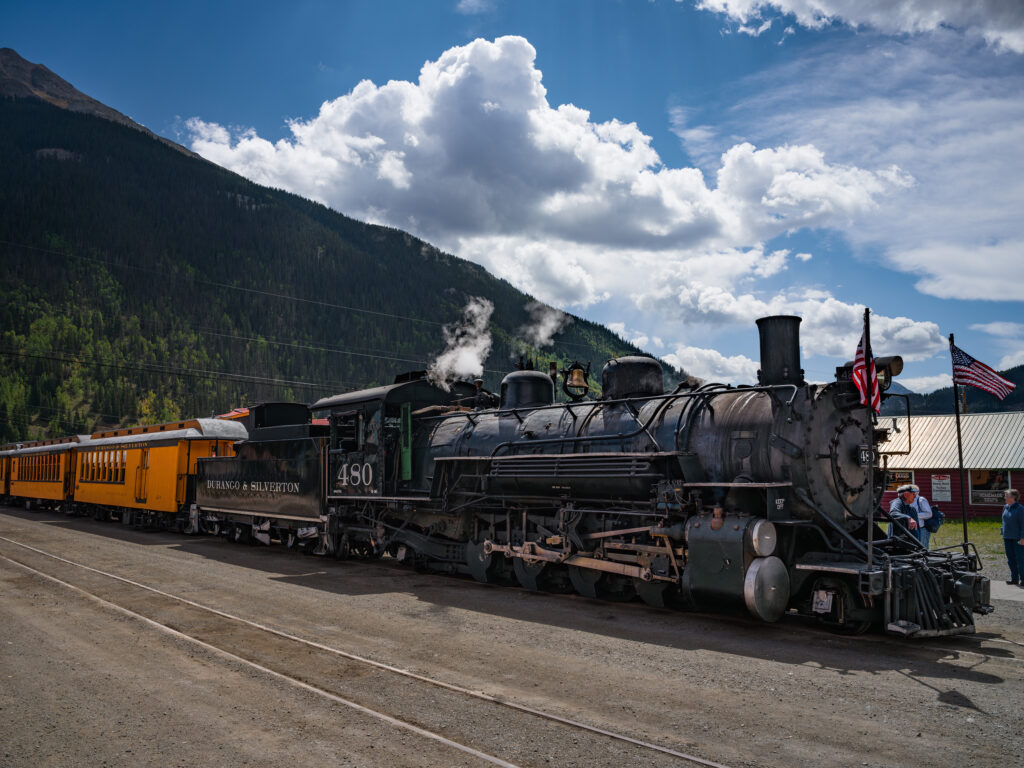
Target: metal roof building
<point>990,440</point>
<point>993,459</point>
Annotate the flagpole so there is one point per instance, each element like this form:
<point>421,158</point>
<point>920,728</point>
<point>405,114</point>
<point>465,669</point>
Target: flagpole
<point>959,446</point>
<point>871,443</point>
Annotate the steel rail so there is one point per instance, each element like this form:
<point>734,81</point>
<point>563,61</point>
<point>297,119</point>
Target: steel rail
<point>481,695</point>
<point>266,670</point>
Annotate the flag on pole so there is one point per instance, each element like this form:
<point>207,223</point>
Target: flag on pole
<point>973,373</point>
<point>865,377</point>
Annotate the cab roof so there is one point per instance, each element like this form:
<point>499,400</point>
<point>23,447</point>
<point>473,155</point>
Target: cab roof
<point>419,391</point>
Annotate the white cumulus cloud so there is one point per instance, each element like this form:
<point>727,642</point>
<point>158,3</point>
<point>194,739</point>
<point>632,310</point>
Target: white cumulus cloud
<point>999,22</point>
<point>474,149</point>
<point>473,157</point>
<point>711,365</point>
<point>925,384</point>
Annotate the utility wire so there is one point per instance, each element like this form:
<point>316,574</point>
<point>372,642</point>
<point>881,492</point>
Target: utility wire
<point>68,357</point>
<point>244,289</point>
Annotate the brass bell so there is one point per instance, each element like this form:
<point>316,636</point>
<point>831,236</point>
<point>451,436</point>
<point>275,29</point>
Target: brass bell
<point>577,379</point>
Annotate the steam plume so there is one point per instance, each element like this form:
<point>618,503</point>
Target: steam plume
<point>545,322</point>
<point>467,344</point>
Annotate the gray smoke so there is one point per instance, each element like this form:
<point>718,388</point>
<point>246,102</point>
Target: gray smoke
<point>467,344</point>
<point>545,322</point>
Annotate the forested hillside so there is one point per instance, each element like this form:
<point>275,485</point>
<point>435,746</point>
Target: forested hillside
<point>941,400</point>
<point>140,283</point>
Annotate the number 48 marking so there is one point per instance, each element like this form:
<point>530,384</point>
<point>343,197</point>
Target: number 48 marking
<point>355,474</point>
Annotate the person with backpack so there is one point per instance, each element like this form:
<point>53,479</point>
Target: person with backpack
<point>915,513</point>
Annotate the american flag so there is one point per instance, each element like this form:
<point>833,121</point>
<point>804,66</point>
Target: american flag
<point>865,377</point>
<point>971,372</point>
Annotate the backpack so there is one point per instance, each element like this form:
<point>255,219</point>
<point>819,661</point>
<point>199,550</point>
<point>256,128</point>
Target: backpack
<point>933,523</point>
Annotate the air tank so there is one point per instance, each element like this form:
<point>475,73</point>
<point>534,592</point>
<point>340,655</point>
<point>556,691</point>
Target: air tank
<point>527,389</point>
<point>631,376</point>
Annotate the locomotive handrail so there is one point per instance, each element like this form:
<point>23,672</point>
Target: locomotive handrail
<point>707,392</point>
<point>737,485</point>
<point>668,399</point>
<point>545,456</point>
<point>910,432</point>
<point>666,395</point>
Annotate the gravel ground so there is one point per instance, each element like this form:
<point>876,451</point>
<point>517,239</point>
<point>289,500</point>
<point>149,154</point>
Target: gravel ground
<point>83,686</point>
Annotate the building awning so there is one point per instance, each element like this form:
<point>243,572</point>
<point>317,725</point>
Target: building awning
<point>991,441</point>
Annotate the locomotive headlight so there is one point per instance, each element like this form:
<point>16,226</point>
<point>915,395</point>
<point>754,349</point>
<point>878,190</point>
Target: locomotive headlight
<point>888,368</point>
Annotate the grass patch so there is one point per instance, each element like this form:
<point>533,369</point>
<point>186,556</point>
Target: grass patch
<point>984,533</point>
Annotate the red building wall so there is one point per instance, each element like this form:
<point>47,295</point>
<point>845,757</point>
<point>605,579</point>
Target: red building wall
<point>951,509</point>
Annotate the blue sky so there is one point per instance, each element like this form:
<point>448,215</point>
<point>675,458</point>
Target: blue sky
<point>672,169</point>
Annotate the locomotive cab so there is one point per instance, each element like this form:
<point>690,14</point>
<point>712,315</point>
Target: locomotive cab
<point>378,437</point>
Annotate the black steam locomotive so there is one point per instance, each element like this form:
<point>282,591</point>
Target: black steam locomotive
<point>707,496</point>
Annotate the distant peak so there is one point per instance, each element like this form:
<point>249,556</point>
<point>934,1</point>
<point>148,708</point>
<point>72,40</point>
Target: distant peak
<point>23,79</point>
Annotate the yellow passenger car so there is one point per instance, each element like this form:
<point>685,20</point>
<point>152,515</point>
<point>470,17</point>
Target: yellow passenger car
<point>146,475</point>
<point>42,473</point>
<point>5,471</point>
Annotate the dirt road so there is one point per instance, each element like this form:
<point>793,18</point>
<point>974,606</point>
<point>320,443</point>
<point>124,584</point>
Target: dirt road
<point>85,684</point>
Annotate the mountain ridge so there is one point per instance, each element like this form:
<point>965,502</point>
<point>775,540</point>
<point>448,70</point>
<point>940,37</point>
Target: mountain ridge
<point>142,284</point>
<point>20,78</point>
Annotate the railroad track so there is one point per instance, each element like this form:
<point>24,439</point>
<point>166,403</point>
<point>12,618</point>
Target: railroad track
<point>473,722</point>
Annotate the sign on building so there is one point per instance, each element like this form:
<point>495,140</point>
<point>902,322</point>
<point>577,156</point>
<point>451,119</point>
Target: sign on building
<point>894,478</point>
<point>941,488</point>
<point>988,486</point>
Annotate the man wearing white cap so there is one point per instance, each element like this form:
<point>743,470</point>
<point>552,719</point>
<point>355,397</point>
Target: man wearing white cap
<point>913,511</point>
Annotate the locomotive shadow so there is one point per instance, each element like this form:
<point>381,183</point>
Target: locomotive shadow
<point>790,641</point>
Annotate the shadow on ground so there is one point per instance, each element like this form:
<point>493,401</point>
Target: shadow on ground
<point>790,641</point>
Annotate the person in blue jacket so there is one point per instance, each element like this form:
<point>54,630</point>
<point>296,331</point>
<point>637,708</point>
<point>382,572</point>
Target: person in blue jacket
<point>903,510</point>
<point>1013,536</point>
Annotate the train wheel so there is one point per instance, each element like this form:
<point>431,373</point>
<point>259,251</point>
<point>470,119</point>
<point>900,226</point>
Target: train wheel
<point>651,592</point>
<point>488,568</point>
<point>241,534</point>
<point>542,577</point>
<point>529,575</point>
<point>617,589</point>
<point>342,548</point>
<point>479,562</point>
<point>585,581</point>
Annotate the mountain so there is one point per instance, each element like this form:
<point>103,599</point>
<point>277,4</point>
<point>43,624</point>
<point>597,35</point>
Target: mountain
<point>941,400</point>
<point>23,79</point>
<point>142,283</point>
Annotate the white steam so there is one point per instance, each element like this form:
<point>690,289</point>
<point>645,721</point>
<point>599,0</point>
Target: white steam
<point>467,344</point>
<point>545,322</point>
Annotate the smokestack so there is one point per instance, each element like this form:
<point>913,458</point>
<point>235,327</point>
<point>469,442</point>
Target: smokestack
<point>780,350</point>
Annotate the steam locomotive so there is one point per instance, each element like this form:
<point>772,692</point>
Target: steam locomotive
<point>761,497</point>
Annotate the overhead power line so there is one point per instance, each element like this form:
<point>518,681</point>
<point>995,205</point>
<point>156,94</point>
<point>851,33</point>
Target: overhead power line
<point>68,357</point>
<point>244,289</point>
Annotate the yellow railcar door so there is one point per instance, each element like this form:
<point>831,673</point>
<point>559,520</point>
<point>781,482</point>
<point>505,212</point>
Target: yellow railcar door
<point>141,475</point>
<point>70,469</point>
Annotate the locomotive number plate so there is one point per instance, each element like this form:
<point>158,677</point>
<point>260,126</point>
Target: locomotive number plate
<point>865,455</point>
<point>822,601</point>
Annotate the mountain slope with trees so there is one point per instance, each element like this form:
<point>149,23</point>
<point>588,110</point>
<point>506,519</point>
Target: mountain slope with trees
<point>941,400</point>
<point>142,283</point>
